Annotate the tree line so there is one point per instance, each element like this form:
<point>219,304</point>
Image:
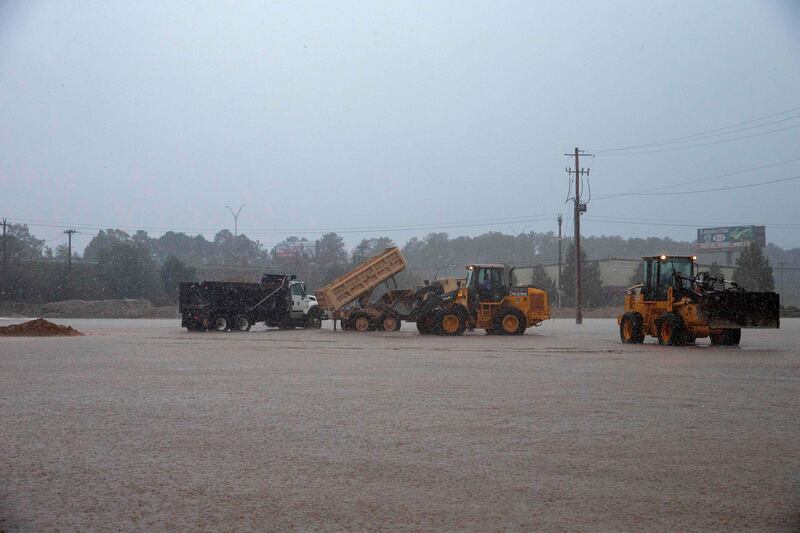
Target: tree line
<point>118,264</point>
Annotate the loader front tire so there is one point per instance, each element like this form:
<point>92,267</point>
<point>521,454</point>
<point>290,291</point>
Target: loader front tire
<point>449,322</point>
<point>630,328</point>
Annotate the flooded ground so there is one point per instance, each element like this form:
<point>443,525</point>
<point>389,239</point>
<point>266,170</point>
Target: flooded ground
<point>143,425</point>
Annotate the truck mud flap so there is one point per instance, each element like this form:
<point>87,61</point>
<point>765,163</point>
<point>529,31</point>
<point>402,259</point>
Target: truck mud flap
<point>731,309</point>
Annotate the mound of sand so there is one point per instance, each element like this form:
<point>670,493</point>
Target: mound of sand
<point>38,328</point>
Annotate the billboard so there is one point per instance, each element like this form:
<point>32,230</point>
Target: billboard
<point>730,237</point>
<point>292,249</point>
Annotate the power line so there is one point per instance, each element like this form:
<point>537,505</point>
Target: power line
<point>718,189</point>
<point>694,135</point>
<point>703,144</point>
<point>410,227</point>
<point>640,222</point>
<point>699,180</point>
<point>711,136</point>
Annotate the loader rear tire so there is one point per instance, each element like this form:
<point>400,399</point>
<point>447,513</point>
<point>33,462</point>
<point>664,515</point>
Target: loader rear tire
<point>630,328</point>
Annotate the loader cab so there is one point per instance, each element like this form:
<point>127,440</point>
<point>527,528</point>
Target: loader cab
<point>662,272</point>
<point>486,282</point>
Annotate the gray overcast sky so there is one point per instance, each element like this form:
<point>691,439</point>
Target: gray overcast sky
<point>331,115</point>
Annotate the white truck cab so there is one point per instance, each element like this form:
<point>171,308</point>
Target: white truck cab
<point>304,306</point>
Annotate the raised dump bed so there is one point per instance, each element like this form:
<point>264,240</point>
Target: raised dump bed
<point>360,281</point>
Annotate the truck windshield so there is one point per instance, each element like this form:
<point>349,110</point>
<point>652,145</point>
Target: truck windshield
<point>298,289</point>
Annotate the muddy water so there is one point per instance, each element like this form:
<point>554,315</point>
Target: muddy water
<point>142,425</point>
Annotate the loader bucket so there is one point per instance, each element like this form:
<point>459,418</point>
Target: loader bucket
<point>730,309</point>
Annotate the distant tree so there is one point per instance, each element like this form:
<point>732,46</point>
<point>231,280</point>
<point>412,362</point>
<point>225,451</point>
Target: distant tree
<point>541,280</point>
<point>369,247</point>
<point>591,284</point>
<point>173,272</point>
<point>104,240</point>
<point>126,270</point>
<point>330,250</point>
<point>21,245</point>
<point>753,271</point>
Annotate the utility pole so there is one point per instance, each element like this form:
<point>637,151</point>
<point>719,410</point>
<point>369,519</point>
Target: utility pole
<point>560,219</point>
<point>69,233</point>
<point>781,293</point>
<point>235,218</point>
<point>579,208</point>
<point>5,262</point>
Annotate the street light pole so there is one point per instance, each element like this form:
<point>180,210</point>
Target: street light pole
<point>235,218</point>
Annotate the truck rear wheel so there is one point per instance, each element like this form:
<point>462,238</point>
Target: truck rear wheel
<point>240,323</point>
<point>219,323</point>
<point>361,322</point>
<point>390,323</point>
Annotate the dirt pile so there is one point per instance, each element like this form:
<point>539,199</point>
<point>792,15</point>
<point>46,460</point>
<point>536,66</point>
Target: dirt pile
<point>38,328</point>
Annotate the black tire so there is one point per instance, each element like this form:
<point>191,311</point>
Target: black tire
<point>449,322</point>
<point>240,323</point>
<point>194,325</point>
<point>510,321</point>
<point>219,323</point>
<point>313,318</point>
<point>423,325</point>
<point>726,337</point>
<point>670,329</point>
<point>630,329</point>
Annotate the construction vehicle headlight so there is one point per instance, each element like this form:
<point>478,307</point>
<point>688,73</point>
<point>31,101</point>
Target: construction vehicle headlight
<point>663,257</point>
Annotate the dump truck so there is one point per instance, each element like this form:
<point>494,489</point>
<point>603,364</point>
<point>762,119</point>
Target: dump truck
<point>349,297</point>
<point>279,301</point>
<point>485,301</point>
<point>678,305</point>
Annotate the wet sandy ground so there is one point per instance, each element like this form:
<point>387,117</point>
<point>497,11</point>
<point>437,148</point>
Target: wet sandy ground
<point>142,425</point>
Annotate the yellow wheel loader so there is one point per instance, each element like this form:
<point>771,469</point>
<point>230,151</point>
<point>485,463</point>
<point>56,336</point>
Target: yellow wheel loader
<point>484,301</point>
<point>677,305</point>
